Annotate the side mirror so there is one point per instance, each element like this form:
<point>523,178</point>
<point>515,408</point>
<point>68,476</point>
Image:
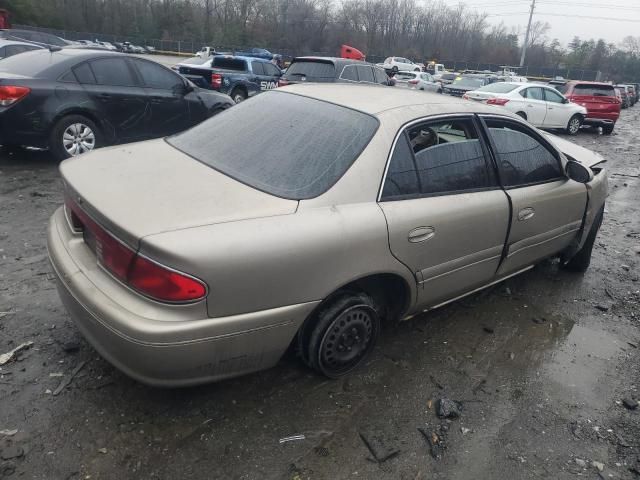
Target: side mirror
<point>566,100</point>
<point>578,172</point>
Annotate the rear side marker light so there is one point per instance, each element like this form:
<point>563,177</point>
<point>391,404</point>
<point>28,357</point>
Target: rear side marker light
<point>497,101</point>
<point>126,265</point>
<point>216,81</point>
<point>11,94</point>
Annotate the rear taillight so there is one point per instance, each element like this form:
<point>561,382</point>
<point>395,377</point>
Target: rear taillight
<point>497,101</point>
<point>283,83</point>
<point>413,82</point>
<point>11,94</point>
<point>125,264</point>
<point>465,97</point>
<point>216,81</point>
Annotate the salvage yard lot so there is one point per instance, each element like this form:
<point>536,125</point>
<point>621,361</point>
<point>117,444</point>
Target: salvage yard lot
<point>540,365</point>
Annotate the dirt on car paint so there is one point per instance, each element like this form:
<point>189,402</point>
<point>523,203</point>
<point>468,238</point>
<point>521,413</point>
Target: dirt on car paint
<point>538,368</point>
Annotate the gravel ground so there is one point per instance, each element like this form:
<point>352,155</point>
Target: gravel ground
<point>540,365</point>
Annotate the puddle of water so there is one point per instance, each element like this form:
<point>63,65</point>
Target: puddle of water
<point>577,371</point>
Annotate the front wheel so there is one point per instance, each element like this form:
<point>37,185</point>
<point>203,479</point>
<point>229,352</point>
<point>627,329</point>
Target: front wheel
<point>341,335</point>
<point>580,261</point>
<point>74,135</point>
<point>573,127</point>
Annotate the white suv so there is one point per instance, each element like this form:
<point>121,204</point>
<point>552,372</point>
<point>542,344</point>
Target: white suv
<point>397,64</point>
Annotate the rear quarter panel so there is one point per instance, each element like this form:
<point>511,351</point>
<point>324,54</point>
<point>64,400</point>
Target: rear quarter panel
<point>284,260</point>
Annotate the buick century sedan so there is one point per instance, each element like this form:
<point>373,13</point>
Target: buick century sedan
<point>307,217</point>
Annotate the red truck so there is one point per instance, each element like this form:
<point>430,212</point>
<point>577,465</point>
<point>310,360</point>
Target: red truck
<point>4,19</point>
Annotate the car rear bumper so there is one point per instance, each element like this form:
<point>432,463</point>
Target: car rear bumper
<point>168,353</point>
<point>598,122</point>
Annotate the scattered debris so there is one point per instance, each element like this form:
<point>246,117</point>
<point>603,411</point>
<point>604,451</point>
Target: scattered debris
<point>630,403</point>
<point>626,268</point>
<point>292,438</point>
<point>71,347</point>
<point>6,357</point>
<point>539,320</point>
<point>377,447</point>
<point>12,451</point>
<point>581,463</point>
<point>9,433</point>
<point>56,374</point>
<point>436,442</point>
<point>602,308</point>
<point>598,465</point>
<point>464,430</point>
<point>488,329</point>
<point>631,344</point>
<point>448,408</point>
<point>102,450</point>
<point>64,383</point>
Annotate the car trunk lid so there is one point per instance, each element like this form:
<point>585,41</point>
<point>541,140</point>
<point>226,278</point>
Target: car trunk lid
<point>150,187</point>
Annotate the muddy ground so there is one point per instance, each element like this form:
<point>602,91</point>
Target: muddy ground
<point>540,365</point>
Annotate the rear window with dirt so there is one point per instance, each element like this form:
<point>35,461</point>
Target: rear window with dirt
<point>225,63</point>
<point>586,90</point>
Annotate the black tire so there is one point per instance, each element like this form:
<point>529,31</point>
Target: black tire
<point>238,95</point>
<point>56,142</point>
<point>575,122</point>
<point>340,335</point>
<point>581,260</point>
<point>608,129</point>
<point>417,70</point>
<point>522,115</point>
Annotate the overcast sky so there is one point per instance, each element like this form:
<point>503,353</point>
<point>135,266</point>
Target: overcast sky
<point>566,24</point>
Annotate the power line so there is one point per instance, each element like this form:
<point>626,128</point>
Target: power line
<point>590,17</point>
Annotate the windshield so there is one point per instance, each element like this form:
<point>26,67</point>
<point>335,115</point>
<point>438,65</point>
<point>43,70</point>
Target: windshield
<point>311,71</point>
<point>290,146</point>
<point>196,61</point>
<point>499,87</point>
<point>469,82</point>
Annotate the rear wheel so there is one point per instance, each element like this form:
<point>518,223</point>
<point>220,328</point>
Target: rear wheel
<point>74,135</point>
<point>575,122</point>
<point>341,335</point>
<point>608,129</point>
<point>238,95</point>
<point>581,260</point>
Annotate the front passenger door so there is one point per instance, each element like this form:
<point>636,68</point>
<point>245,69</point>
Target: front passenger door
<point>547,207</point>
<point>446,215</point>
<point>169,108</point>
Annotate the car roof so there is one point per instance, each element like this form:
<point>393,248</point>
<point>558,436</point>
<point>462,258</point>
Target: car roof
<point>363,98</point>
<point>4,42</point>
<point>335,60</point>
<point>585,82</point>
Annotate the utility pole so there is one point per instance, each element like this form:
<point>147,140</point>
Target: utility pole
<point>526,37</point>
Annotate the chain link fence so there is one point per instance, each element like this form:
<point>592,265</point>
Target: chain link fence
<point>190,46</point>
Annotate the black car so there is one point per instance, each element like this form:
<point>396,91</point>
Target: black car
<point>72,101</point>
<point>330,69</point>
<point>467,83</point>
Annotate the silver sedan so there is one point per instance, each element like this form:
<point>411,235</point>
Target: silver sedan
<point>309,215</point>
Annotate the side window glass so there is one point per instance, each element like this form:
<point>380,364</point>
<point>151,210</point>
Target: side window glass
<point>155,76</point>
<point>381,76</point>
<point>271,70</point>
<point>522,159</point>
<point>365,74</point>
<point>535,93</point>
<point>112,71</point>
<point>257,68</point>
<point>84,74</point>
<point>449,157</point>
<point>402,178</point>
<point>349,73</point>
<point>552,96</point>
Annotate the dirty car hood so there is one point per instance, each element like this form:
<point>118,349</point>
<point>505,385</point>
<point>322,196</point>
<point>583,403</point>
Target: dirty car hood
<point>150,187</point>
<point>581,154</point>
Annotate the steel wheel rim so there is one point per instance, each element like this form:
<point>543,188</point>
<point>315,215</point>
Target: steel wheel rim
<point>78,138</point>
<point>348,340</point>
<point>574,125</point>
<point>238,98</point>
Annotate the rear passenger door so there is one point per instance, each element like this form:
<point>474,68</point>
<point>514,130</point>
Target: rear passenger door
<point>547,207</point>
<point>446,214</point>
<point>112,86</point>
<point>535,106</point>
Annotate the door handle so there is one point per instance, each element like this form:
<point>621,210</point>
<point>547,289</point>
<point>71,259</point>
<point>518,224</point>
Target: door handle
<point>529,106</point>
<point>526,214</point>
<point>421,234</point>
